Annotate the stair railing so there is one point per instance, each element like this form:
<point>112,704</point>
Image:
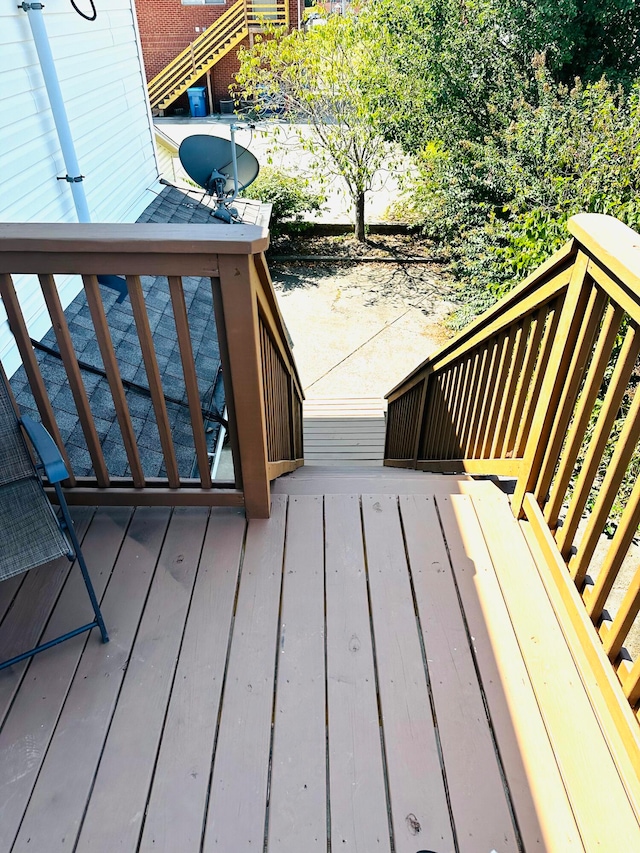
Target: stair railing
<point>543,388</point>
<point>215,42</point>
<point>263,393</point>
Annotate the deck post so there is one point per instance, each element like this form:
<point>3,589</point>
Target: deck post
<point>238,285</point>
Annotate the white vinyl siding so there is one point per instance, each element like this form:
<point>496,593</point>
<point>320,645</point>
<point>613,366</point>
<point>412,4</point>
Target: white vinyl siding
<point>101,75</point>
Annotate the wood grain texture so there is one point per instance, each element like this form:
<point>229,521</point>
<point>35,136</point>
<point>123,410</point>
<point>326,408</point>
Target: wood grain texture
<point>181,779</point>
<point>600,680</point>
<point>479,804</point>
<point>298,791</point>
<point>419,807</point>
<point>589,775</point>
<point>64,239</point>
<point>238,798</point>
<point>30,724</point>
<point>237,291</point>
<point>55,811</point>
<point>119,796</point>
<point>357,786</point>
<point>540,801</point>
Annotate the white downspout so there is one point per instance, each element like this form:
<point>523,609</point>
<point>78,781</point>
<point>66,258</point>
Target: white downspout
<point>43,48</point>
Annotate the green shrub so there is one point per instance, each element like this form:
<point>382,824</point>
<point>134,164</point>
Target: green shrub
<point>502,203</point>
<point>291,197</point>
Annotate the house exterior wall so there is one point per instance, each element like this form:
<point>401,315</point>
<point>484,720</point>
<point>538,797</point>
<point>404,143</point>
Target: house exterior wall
<point>101,75</point>
<point>167,27</point>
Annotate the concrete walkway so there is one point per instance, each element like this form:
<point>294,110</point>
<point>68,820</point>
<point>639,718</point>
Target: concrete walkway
<point>359,329</point>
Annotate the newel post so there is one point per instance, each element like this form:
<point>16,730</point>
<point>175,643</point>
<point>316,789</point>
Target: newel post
<point>243,377</point>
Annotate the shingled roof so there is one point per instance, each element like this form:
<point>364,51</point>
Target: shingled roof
<point>171,205</point>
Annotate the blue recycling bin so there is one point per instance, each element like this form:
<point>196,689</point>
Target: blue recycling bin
<point>197,103</point>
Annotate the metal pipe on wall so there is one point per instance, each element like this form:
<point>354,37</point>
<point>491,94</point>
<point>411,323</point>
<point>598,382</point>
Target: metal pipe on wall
<point>58,109</point>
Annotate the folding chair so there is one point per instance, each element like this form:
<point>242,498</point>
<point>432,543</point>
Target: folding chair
<point>31,532</point>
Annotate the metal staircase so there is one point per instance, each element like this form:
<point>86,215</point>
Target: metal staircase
<point>215,42</point>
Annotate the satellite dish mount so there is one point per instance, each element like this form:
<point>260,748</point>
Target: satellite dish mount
<point>221,167</point>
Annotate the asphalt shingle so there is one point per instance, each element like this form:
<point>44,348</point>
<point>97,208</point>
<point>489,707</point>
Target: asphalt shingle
<point>171,205</point>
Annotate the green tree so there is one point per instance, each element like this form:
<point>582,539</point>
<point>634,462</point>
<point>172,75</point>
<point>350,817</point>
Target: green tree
<point>326,78</point>
<point>465,62</point>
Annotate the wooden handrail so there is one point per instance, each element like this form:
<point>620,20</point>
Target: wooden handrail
<point>262,388</point>
<point>517,392</point>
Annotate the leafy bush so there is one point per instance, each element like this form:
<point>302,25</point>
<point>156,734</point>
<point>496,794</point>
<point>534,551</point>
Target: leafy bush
<point>290,196</point>
<point>503,202</point>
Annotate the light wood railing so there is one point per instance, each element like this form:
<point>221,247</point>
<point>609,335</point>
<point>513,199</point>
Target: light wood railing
<point>225,33</point>
<point>542,388</point>
<point>262,388</point>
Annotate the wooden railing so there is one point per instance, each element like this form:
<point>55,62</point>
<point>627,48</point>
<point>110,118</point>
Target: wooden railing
<point>262,388</point>
<point>543,388</point>
<point>216,41</point>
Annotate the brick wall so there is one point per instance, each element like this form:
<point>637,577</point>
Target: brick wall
<point>167,27</point>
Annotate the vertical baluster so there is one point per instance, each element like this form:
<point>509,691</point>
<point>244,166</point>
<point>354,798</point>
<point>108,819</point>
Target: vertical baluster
<point>471,397</point>
<point>596,596</point>
<point>70,361</point>
<point>575,435</point>
<point>492,377</point>
<point>546,408</point>
<point>625,446</point>
<point>478,397</point>
<point>550,326</point>
<point>103,336</point>
<point>496,389</point>
<point>153,377</point>
<point>533,347</point>
<point>508,399</point>
<point>615,633</point>
<point>582,350</point>
<point>185,345</point>
<point>608,413</point>
<point>23,341</point>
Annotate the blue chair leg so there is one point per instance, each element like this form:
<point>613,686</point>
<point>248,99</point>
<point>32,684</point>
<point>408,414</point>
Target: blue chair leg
<point>68,523</point>
<point>78,555</point>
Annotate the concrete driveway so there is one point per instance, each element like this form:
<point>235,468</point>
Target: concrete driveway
<point>358,329</point>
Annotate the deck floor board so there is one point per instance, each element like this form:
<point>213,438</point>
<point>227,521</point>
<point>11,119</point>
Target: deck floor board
<point>353,674</point>
<point>55,810</point>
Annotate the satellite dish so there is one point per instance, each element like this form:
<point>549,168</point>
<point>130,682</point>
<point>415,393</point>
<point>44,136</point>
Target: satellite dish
<point>209,159</point>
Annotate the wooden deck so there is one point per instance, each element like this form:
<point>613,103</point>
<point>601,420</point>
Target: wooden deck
<point>375,668</point>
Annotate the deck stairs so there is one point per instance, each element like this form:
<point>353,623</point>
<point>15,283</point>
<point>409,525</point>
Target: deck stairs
<point>225,33</point>
<point>344,431</point>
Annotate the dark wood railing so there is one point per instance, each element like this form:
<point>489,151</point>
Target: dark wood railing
<point>543,388</point>
<point>262,388</point>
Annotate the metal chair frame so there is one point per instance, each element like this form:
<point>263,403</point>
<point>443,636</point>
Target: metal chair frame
<point>52,466</point>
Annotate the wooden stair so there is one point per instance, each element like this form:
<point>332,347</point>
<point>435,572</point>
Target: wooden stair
<point>344,431</point>
<point>225,33</point>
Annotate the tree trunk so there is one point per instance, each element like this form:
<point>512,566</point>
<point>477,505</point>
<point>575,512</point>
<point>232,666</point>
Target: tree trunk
<point>360,217</point>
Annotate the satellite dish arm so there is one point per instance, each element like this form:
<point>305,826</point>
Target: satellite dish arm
<point>234,163</point>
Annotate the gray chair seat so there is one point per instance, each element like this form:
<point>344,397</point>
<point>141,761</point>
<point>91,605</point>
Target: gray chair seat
<point>31,531</point>
<point>31,534</point>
